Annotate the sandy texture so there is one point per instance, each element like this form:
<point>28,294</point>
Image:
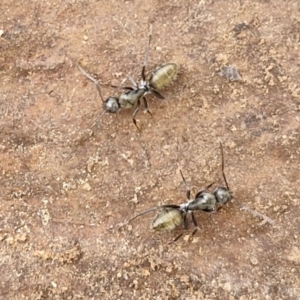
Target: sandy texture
<point>69,180</point>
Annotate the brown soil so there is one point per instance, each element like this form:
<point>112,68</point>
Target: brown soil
<point>69,180</point>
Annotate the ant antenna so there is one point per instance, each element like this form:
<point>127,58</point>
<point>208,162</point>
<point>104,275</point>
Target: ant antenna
<point>188,190</point>
<point>99,90</point>
<point>222,156</point>
<point>86,74</point>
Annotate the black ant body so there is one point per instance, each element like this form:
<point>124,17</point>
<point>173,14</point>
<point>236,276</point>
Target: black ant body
<point>171,216</point>
<point>159,79</point>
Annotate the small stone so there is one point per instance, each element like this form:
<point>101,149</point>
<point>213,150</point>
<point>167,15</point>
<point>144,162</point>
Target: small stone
<point>254,261</point>
<point>195,240</point>
<point>233,128</point>
<point>134,199</point>
<point>294,255</point>
<point>21,237</point>
<point>184,278</point>
<point>145,273</point>
<point>135,284</point>
<point>86,187</point>
<point>90,164</point>
<point>222,58</point>
<point>227,287</point>
<point>186,238</point>
<point>85,38</point>
<point>231,73</point>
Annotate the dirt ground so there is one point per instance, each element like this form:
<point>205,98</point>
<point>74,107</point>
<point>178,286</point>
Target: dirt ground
<point>69,180</point>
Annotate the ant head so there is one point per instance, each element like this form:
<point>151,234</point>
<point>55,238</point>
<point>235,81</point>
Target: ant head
<point>223,195</point>
<point>111,105</point>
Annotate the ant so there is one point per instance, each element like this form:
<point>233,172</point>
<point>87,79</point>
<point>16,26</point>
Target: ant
<point>159,79</point>
<point>171,216</point>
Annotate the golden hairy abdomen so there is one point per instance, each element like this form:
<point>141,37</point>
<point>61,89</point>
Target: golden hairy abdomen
<point>163,76</point>
<point>167,220</point>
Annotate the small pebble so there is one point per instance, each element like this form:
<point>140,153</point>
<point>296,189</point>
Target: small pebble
<point>86,187</point>
<point>254,261</point>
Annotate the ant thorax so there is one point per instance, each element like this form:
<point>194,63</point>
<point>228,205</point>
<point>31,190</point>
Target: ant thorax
<point>130,98</point>
<point>111,105</point>
<point>204,201</point>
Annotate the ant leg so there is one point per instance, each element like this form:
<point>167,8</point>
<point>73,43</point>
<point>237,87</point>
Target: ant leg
<point>176,239</point>
<point>146,106</point>
<point>195,223</point>
<point>188,190</point>
<point>121,87</point>
<point>185,222</point>
<point>210,185</point>
<point>143,73</point>
<point>199,194</point>
<point>86,74</point>
<point>146,56</point>
<point>135,113</point>
<point>171,206</point>
<point>157,94</point>
<point>221,206</point>
<point>142,213</point>
<point>138,215</point>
